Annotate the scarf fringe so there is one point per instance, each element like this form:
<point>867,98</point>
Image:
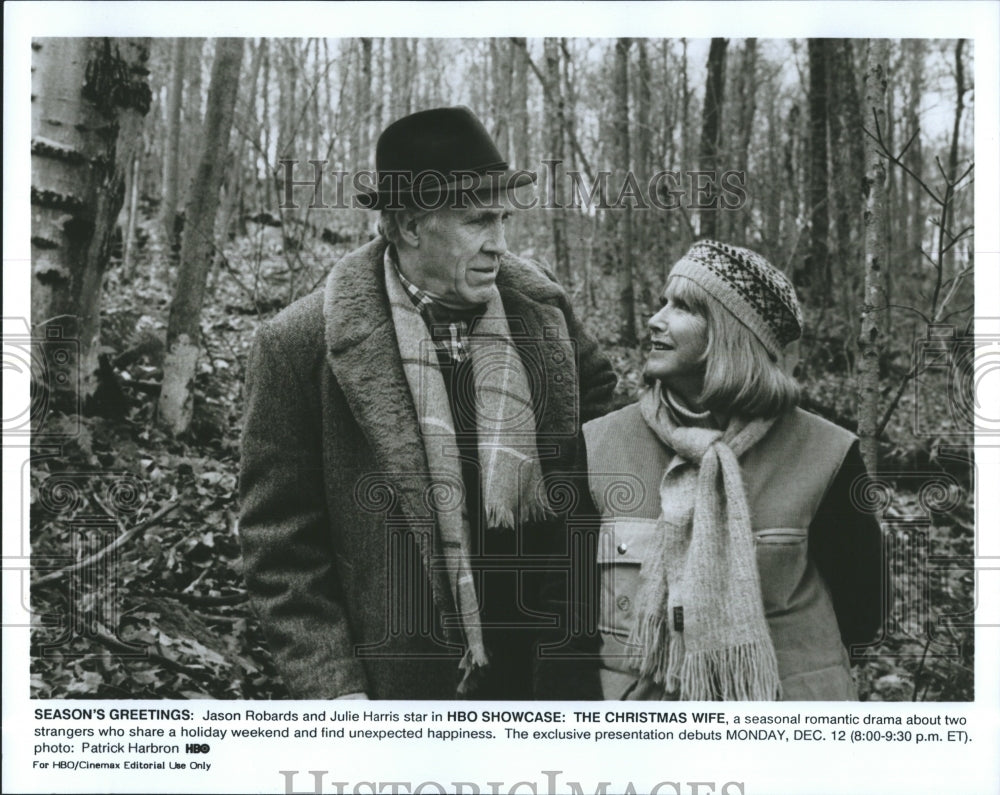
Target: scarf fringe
<point>473,666</point>
<point>649,647</point>
<point>748,672</point>
<point>532,508</point>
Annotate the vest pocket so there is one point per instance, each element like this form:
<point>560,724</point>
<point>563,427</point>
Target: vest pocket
<point>625,544</point>
<point>782,558</point>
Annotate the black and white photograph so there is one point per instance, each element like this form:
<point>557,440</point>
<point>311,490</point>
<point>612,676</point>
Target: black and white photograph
<point>500,379</point>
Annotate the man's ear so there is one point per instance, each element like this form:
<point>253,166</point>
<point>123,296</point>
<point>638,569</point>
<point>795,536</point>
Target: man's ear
<point>408,233</point>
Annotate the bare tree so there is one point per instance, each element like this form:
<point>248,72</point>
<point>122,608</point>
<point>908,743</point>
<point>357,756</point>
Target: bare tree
<point>711,135</point>
<point>171,159</point>
<point>817,264</point>
<point>626,264</point>
<point>874,186</point>
<point>555,136</point>
<point>197,248</point>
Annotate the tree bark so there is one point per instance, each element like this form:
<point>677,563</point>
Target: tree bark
<point>171,159</point>
<point>131,215</point>
<point>191,115</point>
<point>711,136</point>
<point>183,330</point>
<point>747,108</point>
<point>554,123</point>
<point>501,76</point>
<point>519,103</point>
<point>873,186</point>
<point>914,155</point>
<point>817,265</point>
<point>847,158</point>
<point>89,97</point>
<point>644,160</point>
<point>626,267</point>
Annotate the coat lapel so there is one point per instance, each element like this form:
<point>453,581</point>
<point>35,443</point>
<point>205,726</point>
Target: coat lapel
<point>363,353</point>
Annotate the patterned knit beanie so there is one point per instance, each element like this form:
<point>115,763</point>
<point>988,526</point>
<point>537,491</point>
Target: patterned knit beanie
<point>756,293</point>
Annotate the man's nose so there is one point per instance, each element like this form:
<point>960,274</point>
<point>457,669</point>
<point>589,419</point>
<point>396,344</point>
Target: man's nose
<point>496,243</point>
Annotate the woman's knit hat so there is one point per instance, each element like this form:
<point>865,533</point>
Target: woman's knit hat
<point>759,295</point>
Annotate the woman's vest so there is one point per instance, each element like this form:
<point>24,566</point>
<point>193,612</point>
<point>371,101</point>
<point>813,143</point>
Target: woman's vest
<point>785,475</point>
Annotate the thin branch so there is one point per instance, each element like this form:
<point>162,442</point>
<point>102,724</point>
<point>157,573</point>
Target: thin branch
<point>897,162</point>
<point>106,639</point>
<point>102,553</point>
<point>908,308</point>
<point>551,97</point>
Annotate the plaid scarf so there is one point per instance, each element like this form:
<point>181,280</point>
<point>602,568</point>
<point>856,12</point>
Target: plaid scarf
<point>700,626</point>
<point>512,485</point>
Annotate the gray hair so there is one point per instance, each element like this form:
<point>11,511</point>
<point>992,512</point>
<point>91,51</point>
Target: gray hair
<point>391,222</point>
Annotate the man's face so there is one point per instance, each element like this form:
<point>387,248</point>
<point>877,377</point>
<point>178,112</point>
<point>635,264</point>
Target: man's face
<point>459,252</point>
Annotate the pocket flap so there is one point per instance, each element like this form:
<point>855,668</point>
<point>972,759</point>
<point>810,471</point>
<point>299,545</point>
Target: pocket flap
<point>780,535</point>
<point>626,541</point>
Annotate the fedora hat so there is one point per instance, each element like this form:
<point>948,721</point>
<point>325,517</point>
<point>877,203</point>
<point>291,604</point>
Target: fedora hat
<point>423,159</point>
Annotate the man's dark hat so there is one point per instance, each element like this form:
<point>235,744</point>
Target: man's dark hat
<point>424,158</point>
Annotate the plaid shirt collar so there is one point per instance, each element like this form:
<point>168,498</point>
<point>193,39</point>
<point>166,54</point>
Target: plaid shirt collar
<point>450,338</point>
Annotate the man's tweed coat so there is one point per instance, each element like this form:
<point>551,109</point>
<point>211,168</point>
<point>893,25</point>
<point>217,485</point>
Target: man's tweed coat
<point>336,533</point>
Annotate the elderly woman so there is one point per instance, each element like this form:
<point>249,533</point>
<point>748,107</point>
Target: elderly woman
<point>734,563</point>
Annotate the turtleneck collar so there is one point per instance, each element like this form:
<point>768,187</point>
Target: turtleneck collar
<point>683,414</point>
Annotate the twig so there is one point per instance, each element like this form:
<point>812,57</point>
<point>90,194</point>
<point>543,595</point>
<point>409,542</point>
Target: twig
<point>204,601</point>
<point>109,641</point>
<point>920,668</point>
<point>101,553</point>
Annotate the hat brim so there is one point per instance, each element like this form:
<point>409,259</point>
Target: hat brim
<point>437,192</point>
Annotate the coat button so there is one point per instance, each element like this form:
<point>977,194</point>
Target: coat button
<point>624,603</point>
<point>622,548</point>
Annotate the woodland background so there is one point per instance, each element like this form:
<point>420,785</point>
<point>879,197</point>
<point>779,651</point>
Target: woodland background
<point>159,243</point>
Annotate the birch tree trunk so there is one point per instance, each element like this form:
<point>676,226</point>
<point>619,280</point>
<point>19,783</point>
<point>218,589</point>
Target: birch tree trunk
<point>89,97</point>
<point>183,330</point>
<point>873,114</point>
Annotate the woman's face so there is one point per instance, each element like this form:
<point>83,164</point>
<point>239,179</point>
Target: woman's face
<point>679,337</point>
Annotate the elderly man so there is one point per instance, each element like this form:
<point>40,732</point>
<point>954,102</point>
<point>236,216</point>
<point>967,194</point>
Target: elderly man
<point>411,434</point>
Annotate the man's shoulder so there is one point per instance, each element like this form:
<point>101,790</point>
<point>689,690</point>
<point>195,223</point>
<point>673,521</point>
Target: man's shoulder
<point>304,320</point>
<point>528,277</point>
<point>301,322</point>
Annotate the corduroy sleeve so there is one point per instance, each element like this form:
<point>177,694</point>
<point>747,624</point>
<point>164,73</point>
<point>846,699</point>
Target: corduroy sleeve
<point>846,543</point>
<point>285,530</point>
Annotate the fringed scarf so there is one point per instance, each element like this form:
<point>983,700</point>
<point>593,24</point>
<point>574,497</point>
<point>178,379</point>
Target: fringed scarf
<point>700,627</point>
<point>511,475</point>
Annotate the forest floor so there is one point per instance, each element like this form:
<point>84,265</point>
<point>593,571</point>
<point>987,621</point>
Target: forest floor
<point>164,614</point>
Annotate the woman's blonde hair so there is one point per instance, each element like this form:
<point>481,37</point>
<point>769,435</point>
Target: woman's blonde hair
<point>741,377</point>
